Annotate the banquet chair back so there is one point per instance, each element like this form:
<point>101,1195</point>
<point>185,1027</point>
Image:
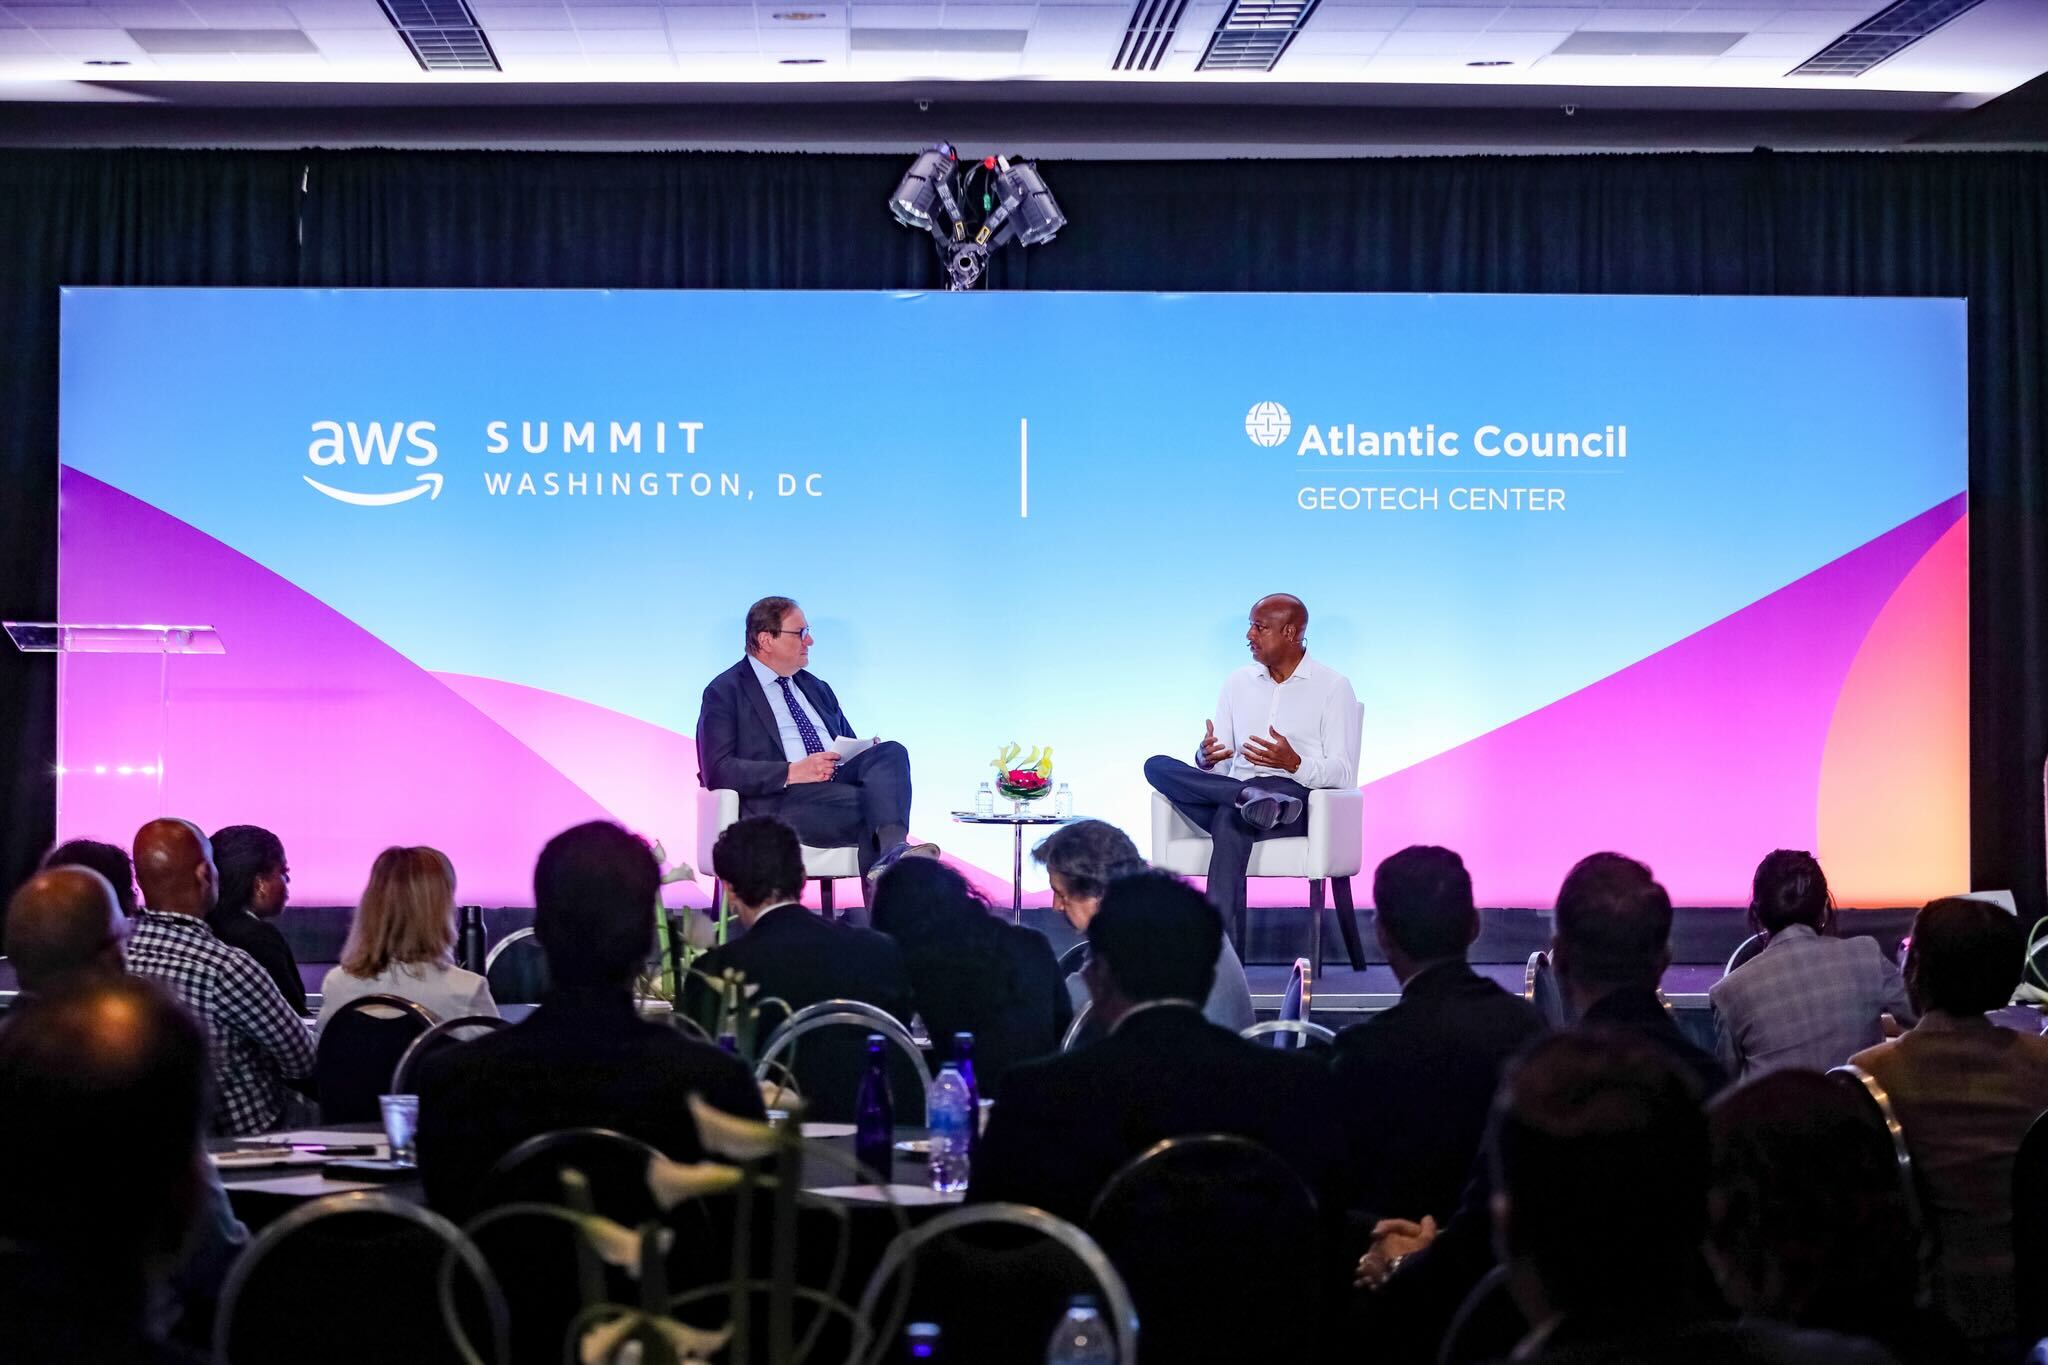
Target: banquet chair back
<point>1487,1326</point>
<point>359,1048</point>
<point>1074,958</point>
<point>1541,989</point>
<point>1210,1219</point>
<point>827,1069</point>
<point>1295,1002</point>
<point>1298,1033</point>
<point>517,969</point>
<point>355,1277</point>
<point>1080,1031</point>
<point>1746,950</point>
<point>996,1278</point>
<point>540,1261</point>
<point>2030,1230</point>
<point>1880,1103</point>
<point>445,1034</point>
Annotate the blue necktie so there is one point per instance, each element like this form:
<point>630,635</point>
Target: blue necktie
<point>805,731</point>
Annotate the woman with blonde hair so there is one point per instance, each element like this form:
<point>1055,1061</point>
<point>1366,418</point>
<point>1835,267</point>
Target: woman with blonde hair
<point>402,941</point>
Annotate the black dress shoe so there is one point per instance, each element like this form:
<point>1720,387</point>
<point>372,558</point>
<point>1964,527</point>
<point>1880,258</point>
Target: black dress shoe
<point>1264,810</point>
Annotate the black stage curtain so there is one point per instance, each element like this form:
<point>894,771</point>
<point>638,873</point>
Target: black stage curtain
<point>1960,224</point>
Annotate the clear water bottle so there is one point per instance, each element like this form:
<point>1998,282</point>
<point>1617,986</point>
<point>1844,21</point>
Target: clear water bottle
<point>952,1125</point>
<point>1063,801</point>
<point>963,1057</point>
<point>1082,1338</point>
<point>874,1113</point>
<point>984,800</point>
<point>921,1340</point>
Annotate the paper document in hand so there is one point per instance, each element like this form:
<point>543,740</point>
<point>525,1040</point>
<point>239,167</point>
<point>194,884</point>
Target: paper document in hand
<point>847,748</point>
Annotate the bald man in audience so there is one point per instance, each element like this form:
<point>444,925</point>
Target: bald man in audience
<point>64,920</point>
<point>258,1041</point>
<point>64,929</point>
<point>104,1083</point>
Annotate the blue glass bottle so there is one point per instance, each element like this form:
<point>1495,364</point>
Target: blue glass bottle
<point>874,1113</point>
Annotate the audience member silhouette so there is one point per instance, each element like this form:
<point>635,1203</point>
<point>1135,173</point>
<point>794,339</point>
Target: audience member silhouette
<point>584,1057</point>
<point>1807,999</point>
<point>1964,1091</point>
<point>62,921</point>
<point>1081,860</point>
<point>109,860</point>
<point>1414,1083</point>
<point>1067,1123</point>
<point>258,1041</point>
<point>103,1080</point>
<point>972,972</point>
<point>1599,1160</point>
<point>255,882</point>
<point>1807,1219</point>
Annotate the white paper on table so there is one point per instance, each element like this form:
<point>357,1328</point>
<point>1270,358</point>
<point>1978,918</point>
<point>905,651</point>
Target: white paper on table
<point>911,1196</point>
<point>847,748</point>
<point>828,1130</point>
<point>266,1160</point>
<point>304,1186</point>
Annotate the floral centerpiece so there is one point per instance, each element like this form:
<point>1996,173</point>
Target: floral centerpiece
<point>1025,781</point>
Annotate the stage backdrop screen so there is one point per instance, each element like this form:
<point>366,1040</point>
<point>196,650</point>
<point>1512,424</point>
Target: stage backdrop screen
<point>1681,577</point>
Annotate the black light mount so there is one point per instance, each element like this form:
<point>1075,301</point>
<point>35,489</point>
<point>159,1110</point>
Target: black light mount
<point>997,200</point>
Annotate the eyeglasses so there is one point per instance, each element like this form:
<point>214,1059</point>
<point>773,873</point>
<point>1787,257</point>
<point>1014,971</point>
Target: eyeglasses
<point>805,633</point>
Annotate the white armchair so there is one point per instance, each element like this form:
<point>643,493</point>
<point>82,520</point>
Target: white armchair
<point>719,807</point>
<point>1332,851</point>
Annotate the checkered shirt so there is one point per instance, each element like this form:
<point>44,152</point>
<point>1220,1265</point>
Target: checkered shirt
<point>255,1038</point>
<point>1806,1001</point>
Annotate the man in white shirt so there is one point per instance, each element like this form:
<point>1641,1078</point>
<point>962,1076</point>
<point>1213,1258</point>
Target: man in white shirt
<point>1283,725</point>
<point>766,730</point>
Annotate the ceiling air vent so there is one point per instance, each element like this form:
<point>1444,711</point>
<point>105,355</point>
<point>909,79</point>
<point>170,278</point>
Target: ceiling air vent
<point>1150,35</point>
<point>1254,34</point>
<point>1890,31</point>
<point>443,34</point>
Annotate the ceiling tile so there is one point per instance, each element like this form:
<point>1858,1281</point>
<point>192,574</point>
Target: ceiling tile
<point>243,16</point>
<point>1336,42</point>
<point>1723,20</point>
<point>1426,44</point>
<point>713,40</point>
<point>1631,21</point>
<point>1800,45</point>
<point>1080,19</point>
<point>1448,20</point>
<point>611,40</point>
<point>61,17</point>
<point>333,18</point>
<point>1832,22</point>
<point>352,41</point>
<point>611,16</point>
<point>1541,20</point>
<point>988,16</point>
<point>709,17</point>
<point>894,16</point>
<point>1356,17</point>
<point>525,19</point>
<point>87,42</point>
<point>526,44</point>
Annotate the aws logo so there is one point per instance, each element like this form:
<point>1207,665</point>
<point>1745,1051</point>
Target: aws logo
<point>375,444</point>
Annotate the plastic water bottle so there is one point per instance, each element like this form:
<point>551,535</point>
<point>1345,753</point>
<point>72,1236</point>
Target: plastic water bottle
<point>984,800</point>
<point>963,1057</point>
<point>921,1340</point>
<point>1063,801</point>
<point>1082,1338</point>
<point>952,1124</point>
<point>874,1114</point>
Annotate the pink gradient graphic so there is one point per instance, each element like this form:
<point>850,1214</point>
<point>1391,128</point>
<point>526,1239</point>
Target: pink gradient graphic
<point>1697,759</point>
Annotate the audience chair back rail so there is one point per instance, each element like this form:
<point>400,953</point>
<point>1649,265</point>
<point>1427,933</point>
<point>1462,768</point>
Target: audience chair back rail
<point>1117,1308</point>
<point>840,1014</point>
<point>1909,1184</point>
<point>439,1036</point>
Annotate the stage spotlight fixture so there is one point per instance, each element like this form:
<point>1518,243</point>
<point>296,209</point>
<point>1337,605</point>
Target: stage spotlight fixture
<point>1009,203</point>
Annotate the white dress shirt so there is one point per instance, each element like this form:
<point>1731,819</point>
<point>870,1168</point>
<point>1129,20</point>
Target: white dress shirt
<point>792,742</point>
<point>1315,710</point>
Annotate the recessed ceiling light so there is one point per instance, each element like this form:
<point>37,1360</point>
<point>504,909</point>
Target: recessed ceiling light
<point>803,61</point>
<point>1494,63</point>
<point>798,16</point>
<point>105,61</point>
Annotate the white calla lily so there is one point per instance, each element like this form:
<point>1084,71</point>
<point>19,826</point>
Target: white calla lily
<point>671,1182</point>
<point>735,1139</point>
<point>601,1342</point>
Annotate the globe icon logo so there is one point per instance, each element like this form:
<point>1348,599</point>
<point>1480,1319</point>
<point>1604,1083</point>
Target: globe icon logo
<point>1267,424</point>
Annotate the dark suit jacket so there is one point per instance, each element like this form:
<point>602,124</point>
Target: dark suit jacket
<point>1013,1000</point>
<point>1414,1085</point>
<point>738,744</point>
<point>800,959</point>
<point>577,1061</point>
<point>1065,1125</point>
<point>260,939</point>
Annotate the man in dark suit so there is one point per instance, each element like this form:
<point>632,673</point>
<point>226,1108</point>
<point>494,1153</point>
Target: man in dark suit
<point>765,730</point>
<point>584,1058</point>
<point>1066,1124</point>
<point>794,957</point>
<point>1414,1084</point>
<point>1611,943</point>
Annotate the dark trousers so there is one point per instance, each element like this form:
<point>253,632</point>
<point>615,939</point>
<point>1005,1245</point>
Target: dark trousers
<point>1209,801</point>
<point>866,805</point>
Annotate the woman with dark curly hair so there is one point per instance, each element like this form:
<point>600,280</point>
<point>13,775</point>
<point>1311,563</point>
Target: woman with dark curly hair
<point>972,972</point>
